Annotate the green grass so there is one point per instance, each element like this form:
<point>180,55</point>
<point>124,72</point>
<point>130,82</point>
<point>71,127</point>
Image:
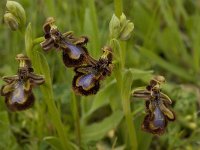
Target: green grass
<point>165,41</point>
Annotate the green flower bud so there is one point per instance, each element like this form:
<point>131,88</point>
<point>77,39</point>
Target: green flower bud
<point>114,27</point>
<point>126,32</point>
<point>120,27</point>
<point>18,11</point>
<point>126,28</point>
<point>11,21</point>
<point>123,20</point>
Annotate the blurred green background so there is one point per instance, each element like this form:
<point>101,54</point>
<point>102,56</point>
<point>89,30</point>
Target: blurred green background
<point>165,41</point>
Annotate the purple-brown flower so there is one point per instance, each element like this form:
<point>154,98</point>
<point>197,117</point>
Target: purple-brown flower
<point>18,88</point>
<point>158,113</point>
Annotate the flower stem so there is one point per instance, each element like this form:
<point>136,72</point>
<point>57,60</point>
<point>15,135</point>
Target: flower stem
<point>123,87</point>
<point>38,40</point>
<point>118,7</point>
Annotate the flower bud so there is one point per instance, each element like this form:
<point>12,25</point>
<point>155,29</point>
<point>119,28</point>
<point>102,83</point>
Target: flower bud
<point>11,21</point>
<point>17,11</point>
<point>114,27</point>
<point>120,27</point>
<point>126,28</point>
<point>126,32</point>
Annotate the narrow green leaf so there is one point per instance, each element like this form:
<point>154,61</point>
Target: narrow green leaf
<point>54,142</point>
<point>166,65</point>
<point>28,40</point>
<point>7,139</point>
<point>101,98</point>
<point>97,131</point>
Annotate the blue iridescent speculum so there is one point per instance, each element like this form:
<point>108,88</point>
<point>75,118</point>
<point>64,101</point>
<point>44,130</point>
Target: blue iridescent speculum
<point>74,51</point>
<point>86,81</point>
<point>18,93</point>
<point>159,120</point>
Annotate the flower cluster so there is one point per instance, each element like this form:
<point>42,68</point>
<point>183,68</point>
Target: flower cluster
<point>88,71</point>
<point>157,107</point>
<point>18,88</point>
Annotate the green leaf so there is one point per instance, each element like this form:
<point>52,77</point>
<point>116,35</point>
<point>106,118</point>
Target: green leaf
<point>97,131</point>
<point>54,142</point>
<point>141,74</point>
<point>7,140</point>
<point>28,40</point>
<point>166,65</point>
<point>91,28</point>
<point>102,96</point>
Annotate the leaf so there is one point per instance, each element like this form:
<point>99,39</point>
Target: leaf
<point>97,131</point>
<point>28,40</point>
<point>91,28</point>
<point>7,140</point>
<point>54,142</point>
<point>141,74</point>
<point>166,65</point>
<point>102,96</point>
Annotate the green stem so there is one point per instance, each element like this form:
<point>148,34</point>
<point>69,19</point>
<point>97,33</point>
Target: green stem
<point>118,7</point>
<point>121,79</point>
<point>38,40</point>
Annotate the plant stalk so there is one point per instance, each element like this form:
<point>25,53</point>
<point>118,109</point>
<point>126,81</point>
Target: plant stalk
<point>123,93</point>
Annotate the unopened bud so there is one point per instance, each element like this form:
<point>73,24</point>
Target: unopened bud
<point>120,27</point>
<point>17,11</point>
<point>114,27</point>
<point>126,28</point>
<point>11,21</point>
<point>126,32</point>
